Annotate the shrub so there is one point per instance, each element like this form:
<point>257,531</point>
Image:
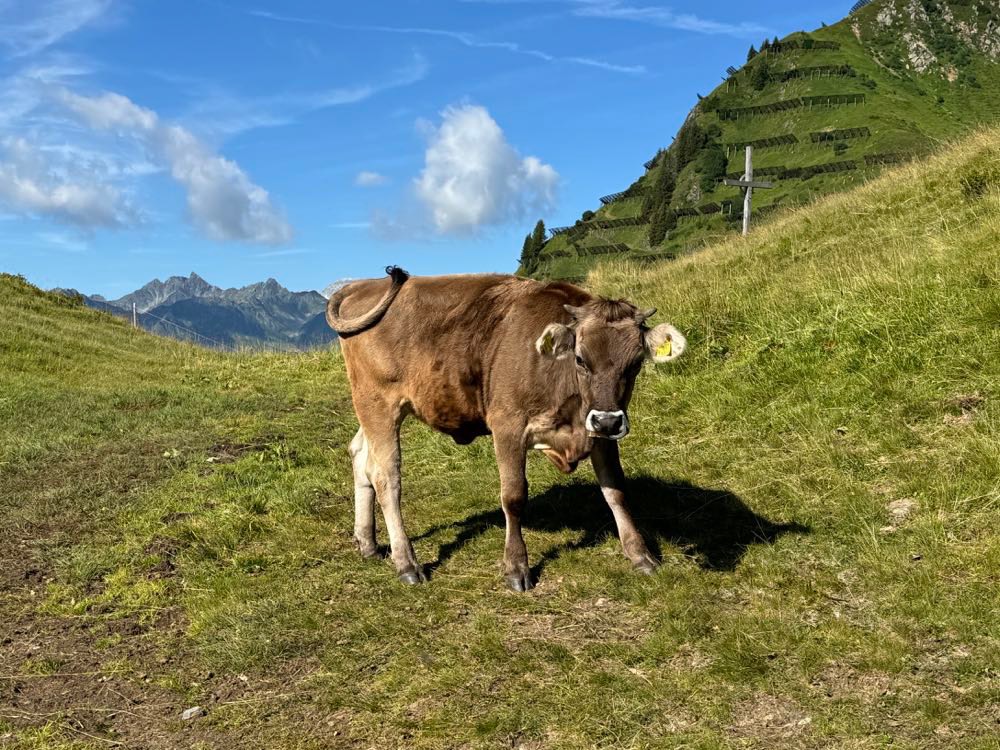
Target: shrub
<point>712,166</point>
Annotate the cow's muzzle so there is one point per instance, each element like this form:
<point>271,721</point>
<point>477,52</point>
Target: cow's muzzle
<point>612,425</point>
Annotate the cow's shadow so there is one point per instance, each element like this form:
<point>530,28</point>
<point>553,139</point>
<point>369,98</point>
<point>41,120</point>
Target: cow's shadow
<point>713,527</point>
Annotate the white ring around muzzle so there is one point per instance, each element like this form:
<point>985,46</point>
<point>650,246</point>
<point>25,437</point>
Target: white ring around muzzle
<point>594,415</point>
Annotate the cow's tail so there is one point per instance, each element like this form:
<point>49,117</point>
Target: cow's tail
<point>350,326</point>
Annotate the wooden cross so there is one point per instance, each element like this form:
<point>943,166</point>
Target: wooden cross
<point>748,184</point>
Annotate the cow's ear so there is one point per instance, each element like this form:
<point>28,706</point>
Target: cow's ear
<point>556,341</point>
<point>664,343</point>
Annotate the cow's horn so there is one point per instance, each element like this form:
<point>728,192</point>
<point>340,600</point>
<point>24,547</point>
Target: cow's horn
<point>576,312</point>
<point>643,315</point>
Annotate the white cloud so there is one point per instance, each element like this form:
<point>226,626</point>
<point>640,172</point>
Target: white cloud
<point>110,111</point>
<point>222,200</point>
<point>365,178</point>
<point>473,177</point>
<point>33,181</point>
<point>27,27</point>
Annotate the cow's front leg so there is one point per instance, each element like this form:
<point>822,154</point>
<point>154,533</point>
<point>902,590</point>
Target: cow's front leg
<point>608,467</point>
<point>513,497</point>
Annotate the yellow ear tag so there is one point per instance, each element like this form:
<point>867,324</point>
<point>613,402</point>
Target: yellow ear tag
<point>548,343</point>
<point>665,349</point>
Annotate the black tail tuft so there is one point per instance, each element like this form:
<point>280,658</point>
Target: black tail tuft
<point>398,274</point>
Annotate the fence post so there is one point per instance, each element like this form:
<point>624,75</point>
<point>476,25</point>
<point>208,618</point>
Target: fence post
<point>135,316</point>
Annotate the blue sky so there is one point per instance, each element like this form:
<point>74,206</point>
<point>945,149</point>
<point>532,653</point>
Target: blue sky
<point>312,141</point>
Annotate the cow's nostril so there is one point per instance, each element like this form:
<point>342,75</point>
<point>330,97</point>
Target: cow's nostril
<point>610,424</point>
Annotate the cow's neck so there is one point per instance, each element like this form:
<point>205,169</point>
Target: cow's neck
<point>561,432</point>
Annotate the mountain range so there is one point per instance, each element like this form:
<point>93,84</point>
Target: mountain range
<point>259,315</point>
<point>823,110</point>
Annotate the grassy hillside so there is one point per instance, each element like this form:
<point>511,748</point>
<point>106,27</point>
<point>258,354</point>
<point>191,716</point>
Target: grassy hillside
<point>819,475</point>
<point>894,80</point>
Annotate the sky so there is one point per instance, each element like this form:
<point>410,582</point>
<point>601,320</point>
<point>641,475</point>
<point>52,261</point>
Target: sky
<point>311,141</point>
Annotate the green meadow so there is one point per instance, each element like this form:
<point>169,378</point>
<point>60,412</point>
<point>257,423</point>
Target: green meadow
<point>820,475</point>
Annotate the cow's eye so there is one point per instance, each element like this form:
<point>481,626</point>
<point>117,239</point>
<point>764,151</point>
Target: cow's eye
<point>580,363</point>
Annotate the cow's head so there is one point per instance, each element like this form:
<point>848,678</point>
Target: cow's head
<point>607,342</point>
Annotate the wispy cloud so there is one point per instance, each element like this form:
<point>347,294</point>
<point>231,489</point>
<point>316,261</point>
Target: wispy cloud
<point>30,27</point>
<point>366,178</point>
<point>462,37</point>
<point>26,89</point>
<point>657,15</point>
<point>224,114</point>
<point>351,225</point>
<point>63,241</point>
<point>286,251</point>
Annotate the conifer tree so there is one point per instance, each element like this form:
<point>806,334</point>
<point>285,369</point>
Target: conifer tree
<point>760,76</point>
<point>664,222</point>
<point>538,238</point>
<point>663,189</point>
<point>526,255</point>
<point>658,226</point>
<point>690,139</point>
<point>751,53</point>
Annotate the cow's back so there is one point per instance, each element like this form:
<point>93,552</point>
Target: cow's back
<point>431,349</point>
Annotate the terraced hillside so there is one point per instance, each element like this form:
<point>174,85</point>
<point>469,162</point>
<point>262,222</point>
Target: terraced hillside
<point>824,110</point>
<point>818,473</point>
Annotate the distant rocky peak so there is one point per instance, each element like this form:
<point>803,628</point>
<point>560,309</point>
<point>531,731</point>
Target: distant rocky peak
<point>175,288</point>
<point>269,288</point>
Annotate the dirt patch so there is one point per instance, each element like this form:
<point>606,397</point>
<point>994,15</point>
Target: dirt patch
<point>52,672</point>
<point>133,690</point>
<point>164,550</point>
<point>688,658</point>
<point>839,681</point>
<point>899,511</point>
<point>769,718</point>
<point>227,453</point>
<point>964,409</point>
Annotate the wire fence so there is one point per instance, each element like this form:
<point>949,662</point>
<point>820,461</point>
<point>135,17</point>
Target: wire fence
<point>825,100</point>
<point>201,339</point>
<point>198,337</point>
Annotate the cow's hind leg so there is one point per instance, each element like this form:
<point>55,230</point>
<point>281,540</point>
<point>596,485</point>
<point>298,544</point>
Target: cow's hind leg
<point>364,498</point>
<point>513,497</point>
<point>608,468</point>
<point>381,427</point>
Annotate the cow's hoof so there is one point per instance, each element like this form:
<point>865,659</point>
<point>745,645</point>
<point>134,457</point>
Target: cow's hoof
<point>411,577</point>
<point>646,565</point>
<point>520,582</point>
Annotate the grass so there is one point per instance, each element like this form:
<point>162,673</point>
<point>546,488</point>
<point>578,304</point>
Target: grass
<point>819,475</point>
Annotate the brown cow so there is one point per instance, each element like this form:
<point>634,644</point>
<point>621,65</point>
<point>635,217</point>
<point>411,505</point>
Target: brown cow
<point>542,366</point>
